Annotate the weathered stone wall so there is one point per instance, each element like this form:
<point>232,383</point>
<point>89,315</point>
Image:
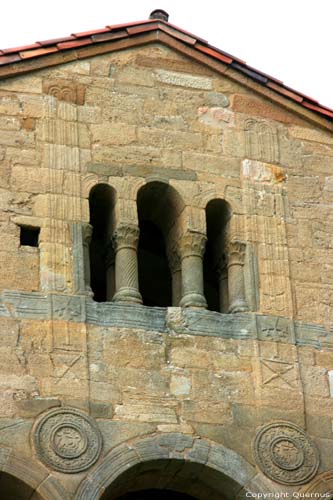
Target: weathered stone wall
<point>126,119</point>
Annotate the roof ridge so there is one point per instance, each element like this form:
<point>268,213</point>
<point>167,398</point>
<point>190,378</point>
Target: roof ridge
<point>15,55</point>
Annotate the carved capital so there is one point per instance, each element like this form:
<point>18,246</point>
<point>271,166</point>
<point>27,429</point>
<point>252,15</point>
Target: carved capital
<point>192,243</point>
<point>126,236</point>
<point>87,231</point>
<point>236,253</point>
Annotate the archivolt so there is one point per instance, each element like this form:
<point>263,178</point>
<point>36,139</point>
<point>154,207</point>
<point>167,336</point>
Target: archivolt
<point>235,472</point>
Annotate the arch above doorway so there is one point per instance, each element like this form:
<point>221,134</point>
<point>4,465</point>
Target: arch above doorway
<point>27,477</point>
<point>176,462</point>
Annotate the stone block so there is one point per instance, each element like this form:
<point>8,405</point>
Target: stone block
<point>206,411</point>
<point>175,139</point>
<point>20,271</point>
<point>115,133</point>
<point>319,426</point>
<point>180,385</point>
<point>262,108</point>
<point>233,437</point>
<point>324,359</point>
<point>116,432</point>
<point>310,134</point>
<point>244,415</point>
<point>183,79</point>
<point>101,410</point>
<point>20,139</point>
<point>9,104</point>
<point>89,114</point>
<point>15,431</point>
<point>29,408</point>
<point>147,412</point>
<point>9,123</point>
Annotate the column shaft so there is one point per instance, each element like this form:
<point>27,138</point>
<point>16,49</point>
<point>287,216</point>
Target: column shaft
<point>126,264</point>
<point>192,248</point>
<point>236,286</point>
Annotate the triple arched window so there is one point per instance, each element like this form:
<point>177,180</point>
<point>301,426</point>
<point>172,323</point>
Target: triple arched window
<point>156,260</point>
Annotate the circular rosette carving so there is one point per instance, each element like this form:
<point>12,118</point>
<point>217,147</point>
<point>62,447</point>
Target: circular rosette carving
<point>285,454</point>
<point>67,440</point>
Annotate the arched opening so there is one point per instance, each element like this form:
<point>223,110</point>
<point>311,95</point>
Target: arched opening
<point>101,205</point>
<point>171,479</point>
<point>159,211</point>
<point>156,494</point>
<point>174,462</point>
<point>12,488</point>
<point>218,213</point>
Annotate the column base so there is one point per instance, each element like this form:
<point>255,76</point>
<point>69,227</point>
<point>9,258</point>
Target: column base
<point>128,295</point>
<point>194,300</point>
<point>238,306</point>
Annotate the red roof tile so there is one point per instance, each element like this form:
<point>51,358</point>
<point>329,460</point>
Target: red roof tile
<point>90,33</point>
<point>28,54</point>
<point>212,52</point>
<point>135,30</point>
<point>9,59</point>
<point>74,44</point>
<point>106,37</point>
<point>54,41</point>
<point>19,49</point>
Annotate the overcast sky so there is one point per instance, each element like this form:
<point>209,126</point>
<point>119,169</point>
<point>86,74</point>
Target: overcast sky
<point>288,39</point>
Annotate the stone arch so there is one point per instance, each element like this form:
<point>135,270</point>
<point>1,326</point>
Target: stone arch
<point>322,484</point>
<point>160,214</point>
<point>210,462</point>
<point>102,199</point>
<point>88,183</point>
<point>35,480</point>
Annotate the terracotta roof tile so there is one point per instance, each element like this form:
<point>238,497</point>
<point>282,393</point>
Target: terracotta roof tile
<point>54,41</point>
<point>202,40</point>
<point>9,59</point>
<point>134,31</point>
<point>249,72</point>
<point>136,23</point>
<point>23,47</point>
<point>213,53</point>
<point>284,91</point>
<point>105,37</point>
<point>180,35</point>
<point>320,109</point>
<point>90,33</point>
<point>74,44</point>
<point>42,51</point>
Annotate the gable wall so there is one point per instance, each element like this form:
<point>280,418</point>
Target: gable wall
<point>120,119</point>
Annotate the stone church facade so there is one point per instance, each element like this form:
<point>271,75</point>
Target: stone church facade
<point>166,285</point>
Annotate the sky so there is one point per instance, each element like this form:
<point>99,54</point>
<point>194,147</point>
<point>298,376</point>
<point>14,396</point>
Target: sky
<point>288,39</point>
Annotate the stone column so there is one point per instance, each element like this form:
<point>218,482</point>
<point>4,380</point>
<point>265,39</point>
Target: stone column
<point>87,231</point>
<point>125,240</point>
<point>192,247</point>
<point>175,265</point>
<point>222,271</point>
<point>236,286</point>
<point>110,272</point>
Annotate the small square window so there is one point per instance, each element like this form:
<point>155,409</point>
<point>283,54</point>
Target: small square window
<point>29,236</point>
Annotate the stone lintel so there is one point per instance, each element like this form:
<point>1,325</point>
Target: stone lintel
<point>140,171</point>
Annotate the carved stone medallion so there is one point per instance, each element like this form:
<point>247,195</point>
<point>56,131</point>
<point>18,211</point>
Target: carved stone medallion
<point>67,440</point>
<point>285,454</point>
